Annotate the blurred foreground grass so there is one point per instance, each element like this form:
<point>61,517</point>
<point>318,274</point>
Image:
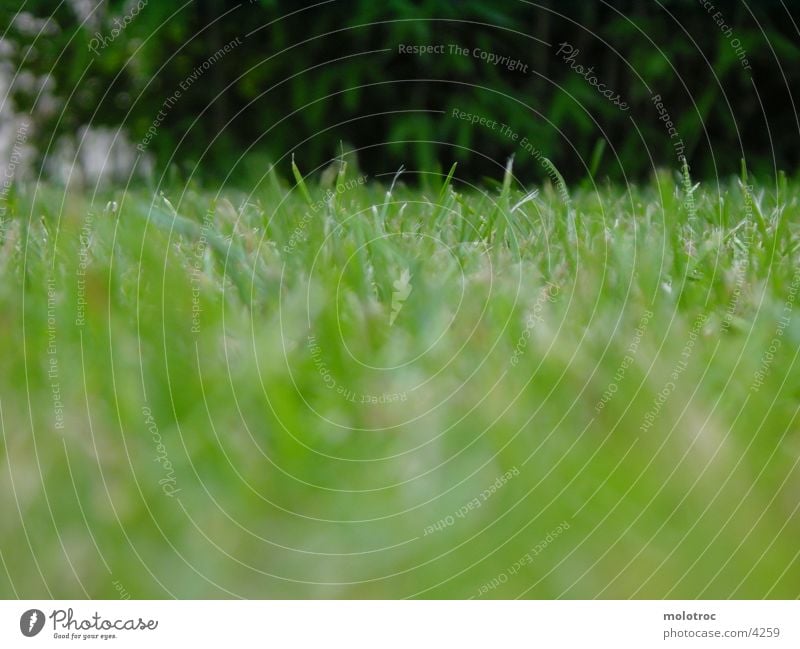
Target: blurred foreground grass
<point>449,392</point>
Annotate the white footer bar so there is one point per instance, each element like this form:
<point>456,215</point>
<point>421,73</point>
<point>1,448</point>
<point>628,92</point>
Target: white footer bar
<point>388,624</point>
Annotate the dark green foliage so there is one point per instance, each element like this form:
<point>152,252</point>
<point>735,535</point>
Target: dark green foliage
<point>306,81</point>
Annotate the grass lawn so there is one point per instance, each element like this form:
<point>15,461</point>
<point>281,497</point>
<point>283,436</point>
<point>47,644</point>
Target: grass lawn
<point>426,390</point>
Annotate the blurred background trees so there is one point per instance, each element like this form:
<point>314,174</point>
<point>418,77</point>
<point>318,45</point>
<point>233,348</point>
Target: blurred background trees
<point>309,76</point>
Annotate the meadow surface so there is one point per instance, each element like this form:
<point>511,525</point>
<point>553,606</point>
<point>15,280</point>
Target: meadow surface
<point>401,387</point>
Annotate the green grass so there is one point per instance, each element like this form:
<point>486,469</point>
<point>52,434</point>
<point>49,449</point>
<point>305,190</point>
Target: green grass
<point>364,366</point>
